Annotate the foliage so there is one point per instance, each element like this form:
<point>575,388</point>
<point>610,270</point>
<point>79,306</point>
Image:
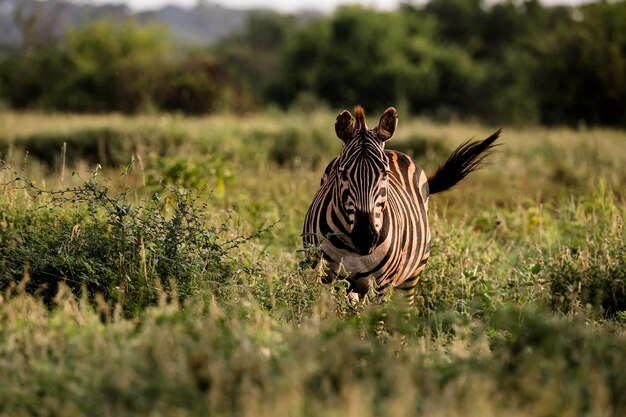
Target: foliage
<point>199,85</point>
<point>114,67</point>
<point>237,360</point>
<point>251,57</point>
<point>420,147</point>
<point>590,276</point>
<point>581,82</point>
<point>98,241</point>
<point>107,146</point>
<point>103,66</point>
<point>506,62</point>
<point>108,66</point>
<point>519,311</point>
<point>294,147</point>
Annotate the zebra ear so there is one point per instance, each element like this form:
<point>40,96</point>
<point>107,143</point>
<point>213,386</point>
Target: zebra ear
<point>387,124</point>
<point>344,126</point>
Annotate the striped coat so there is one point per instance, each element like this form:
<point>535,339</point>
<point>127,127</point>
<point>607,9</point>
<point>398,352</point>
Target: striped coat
<point>370,216</point>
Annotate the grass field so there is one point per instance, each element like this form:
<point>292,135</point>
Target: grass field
<point>168,281</point>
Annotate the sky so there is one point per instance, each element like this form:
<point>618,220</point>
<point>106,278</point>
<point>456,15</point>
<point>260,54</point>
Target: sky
<point>282,5</point>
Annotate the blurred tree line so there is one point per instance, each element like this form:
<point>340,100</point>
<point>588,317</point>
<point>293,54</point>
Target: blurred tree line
<point>515,61</point>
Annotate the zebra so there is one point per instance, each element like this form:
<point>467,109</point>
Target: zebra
<point>369,217</point>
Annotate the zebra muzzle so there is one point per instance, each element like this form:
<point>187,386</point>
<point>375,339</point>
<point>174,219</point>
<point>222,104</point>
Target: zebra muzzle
<point>364,234</point>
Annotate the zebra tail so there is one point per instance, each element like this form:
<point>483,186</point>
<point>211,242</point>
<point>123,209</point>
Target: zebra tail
<point>465,159</point>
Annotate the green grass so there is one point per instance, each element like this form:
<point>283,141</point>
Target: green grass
<point>169,282</point>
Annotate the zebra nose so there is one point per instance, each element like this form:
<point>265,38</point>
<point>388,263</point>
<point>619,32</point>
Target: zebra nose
<point>364,235</point>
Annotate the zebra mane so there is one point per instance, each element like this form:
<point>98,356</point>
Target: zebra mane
<point>359,115</point>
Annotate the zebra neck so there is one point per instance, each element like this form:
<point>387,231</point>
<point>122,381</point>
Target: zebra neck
<point>337,207</point>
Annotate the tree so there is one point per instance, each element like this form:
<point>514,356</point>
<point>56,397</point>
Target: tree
<point>583,73</point>
<point>116,67</point>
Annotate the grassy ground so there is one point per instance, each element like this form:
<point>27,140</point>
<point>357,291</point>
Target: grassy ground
<point>150,286</point>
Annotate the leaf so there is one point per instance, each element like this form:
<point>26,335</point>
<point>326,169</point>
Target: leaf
<point>536,268</point>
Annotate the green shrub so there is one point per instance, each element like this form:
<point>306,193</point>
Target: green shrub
<point>116,66</point>
<point>233,358</point>
<point>108,147</point>
<point>548,360</point>
<point>295,147</point>
<point>94,239</point>
<point>421,148</point>
<point>591,278</point>
<point>192,88</point>
<point>213,173</point>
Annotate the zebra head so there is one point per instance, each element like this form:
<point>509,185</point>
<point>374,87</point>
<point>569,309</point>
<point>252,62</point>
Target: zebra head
<point>363,174</point>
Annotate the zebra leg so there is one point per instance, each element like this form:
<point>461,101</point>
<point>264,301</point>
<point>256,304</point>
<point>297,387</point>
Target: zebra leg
<point>359,290</point>
<point>353,298</point>
<point>408,289</point>
<point>408,286</point>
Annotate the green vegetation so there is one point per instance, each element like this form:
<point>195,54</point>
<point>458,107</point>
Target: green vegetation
<point>513,62</point>
<point>169,282</point>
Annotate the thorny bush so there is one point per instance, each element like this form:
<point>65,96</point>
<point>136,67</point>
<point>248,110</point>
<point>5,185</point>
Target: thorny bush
<point>94,239</point>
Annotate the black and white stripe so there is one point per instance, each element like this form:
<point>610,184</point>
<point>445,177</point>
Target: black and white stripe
<point>370,215</point>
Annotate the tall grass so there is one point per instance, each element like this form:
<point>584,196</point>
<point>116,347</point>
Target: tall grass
<point>173,286</point>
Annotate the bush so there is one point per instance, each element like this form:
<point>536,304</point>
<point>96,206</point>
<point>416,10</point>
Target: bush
<point>192,87</point>
<point>422,148</point>
<point>108,147</point>
<point>292,147</point>
<point>31,78</point>
<point>116,67</point>
<point>591,278</point>
<point>93,239</point>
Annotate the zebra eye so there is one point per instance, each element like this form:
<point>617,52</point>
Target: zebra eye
<point>343,174</point>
